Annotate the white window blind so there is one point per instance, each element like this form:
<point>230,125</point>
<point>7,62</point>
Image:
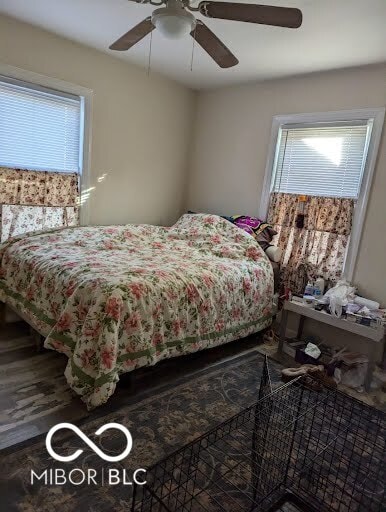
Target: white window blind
<point>39,128</point>
<point>322,160</point>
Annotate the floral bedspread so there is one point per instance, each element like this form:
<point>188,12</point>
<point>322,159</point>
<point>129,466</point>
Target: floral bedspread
<point>120,297</point>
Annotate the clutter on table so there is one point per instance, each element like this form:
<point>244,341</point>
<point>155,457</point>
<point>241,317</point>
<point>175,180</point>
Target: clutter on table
<point>343,301</point>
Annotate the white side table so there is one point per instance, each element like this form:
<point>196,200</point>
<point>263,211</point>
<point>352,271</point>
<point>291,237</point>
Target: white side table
<point>370,334</point>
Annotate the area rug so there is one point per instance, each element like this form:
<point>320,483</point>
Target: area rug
<point>160,424</point>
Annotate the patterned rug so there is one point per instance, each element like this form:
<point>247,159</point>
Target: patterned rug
<point>159,424</point>
<point>34,394</point>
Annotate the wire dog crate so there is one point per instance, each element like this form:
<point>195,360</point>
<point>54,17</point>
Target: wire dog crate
<point>294,450</point>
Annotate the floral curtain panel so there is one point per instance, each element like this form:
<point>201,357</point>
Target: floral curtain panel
<point>36,200</point>
<point>17,220</point>
<point>319,247</point>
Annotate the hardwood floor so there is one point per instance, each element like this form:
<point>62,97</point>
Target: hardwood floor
<point>34,394</point>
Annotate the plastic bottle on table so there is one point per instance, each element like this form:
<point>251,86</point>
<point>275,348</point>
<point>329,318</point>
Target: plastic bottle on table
<point>309,289</point>
<point>319,288</point>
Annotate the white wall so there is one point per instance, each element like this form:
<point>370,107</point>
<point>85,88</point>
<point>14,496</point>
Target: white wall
<point>141,124</point>
<point>232,134</point>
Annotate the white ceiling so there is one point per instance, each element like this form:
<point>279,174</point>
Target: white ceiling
<point>334,34</point>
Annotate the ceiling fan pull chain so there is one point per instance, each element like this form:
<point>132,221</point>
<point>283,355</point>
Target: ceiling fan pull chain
<point>150,46</point>
<point>194,43</point>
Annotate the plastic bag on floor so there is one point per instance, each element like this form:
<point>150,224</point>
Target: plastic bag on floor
<point>352,370</point>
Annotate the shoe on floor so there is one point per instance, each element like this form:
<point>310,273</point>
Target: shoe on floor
<point>289,374</point>
<point>317,372</point>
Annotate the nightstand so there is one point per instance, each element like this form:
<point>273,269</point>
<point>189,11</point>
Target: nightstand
<point>372,336</point>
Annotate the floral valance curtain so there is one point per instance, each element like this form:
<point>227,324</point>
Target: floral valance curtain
<point>36,200</point>
<point>317,248</point>
<point>38,188</point>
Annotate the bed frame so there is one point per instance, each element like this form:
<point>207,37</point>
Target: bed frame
<point>38,338</point>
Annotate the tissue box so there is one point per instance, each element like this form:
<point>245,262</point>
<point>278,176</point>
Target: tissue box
<point>303,358</point>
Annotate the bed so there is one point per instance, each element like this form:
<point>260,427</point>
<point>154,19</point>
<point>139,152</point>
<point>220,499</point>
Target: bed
<point>116,298</point>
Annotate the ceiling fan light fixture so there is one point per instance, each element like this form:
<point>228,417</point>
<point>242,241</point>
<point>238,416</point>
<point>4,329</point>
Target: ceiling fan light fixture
<point>173,22</point>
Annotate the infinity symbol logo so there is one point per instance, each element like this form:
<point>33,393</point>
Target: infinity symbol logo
<point>93,446</point>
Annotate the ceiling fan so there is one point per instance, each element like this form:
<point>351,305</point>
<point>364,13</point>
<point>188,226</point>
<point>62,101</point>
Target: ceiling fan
<point>175,21</point>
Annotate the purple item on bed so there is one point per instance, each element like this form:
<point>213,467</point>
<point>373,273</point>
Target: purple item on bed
<point>261,230</point>
<point>249,224</point>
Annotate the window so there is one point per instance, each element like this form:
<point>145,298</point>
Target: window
<point>319,159</point>
<point>39,128</point>
<point>322,160</point>
<point>41,154</point>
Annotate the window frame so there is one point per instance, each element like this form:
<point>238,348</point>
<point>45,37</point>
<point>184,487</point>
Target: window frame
<point>48,84</point>
<point>376,115</point>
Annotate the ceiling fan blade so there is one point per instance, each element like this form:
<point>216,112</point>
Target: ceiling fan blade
<point>134,35</point>
<point>213,46</point>
<point>265,14</point>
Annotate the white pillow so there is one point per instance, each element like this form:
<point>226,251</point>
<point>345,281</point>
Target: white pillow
<point>274,253</point>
